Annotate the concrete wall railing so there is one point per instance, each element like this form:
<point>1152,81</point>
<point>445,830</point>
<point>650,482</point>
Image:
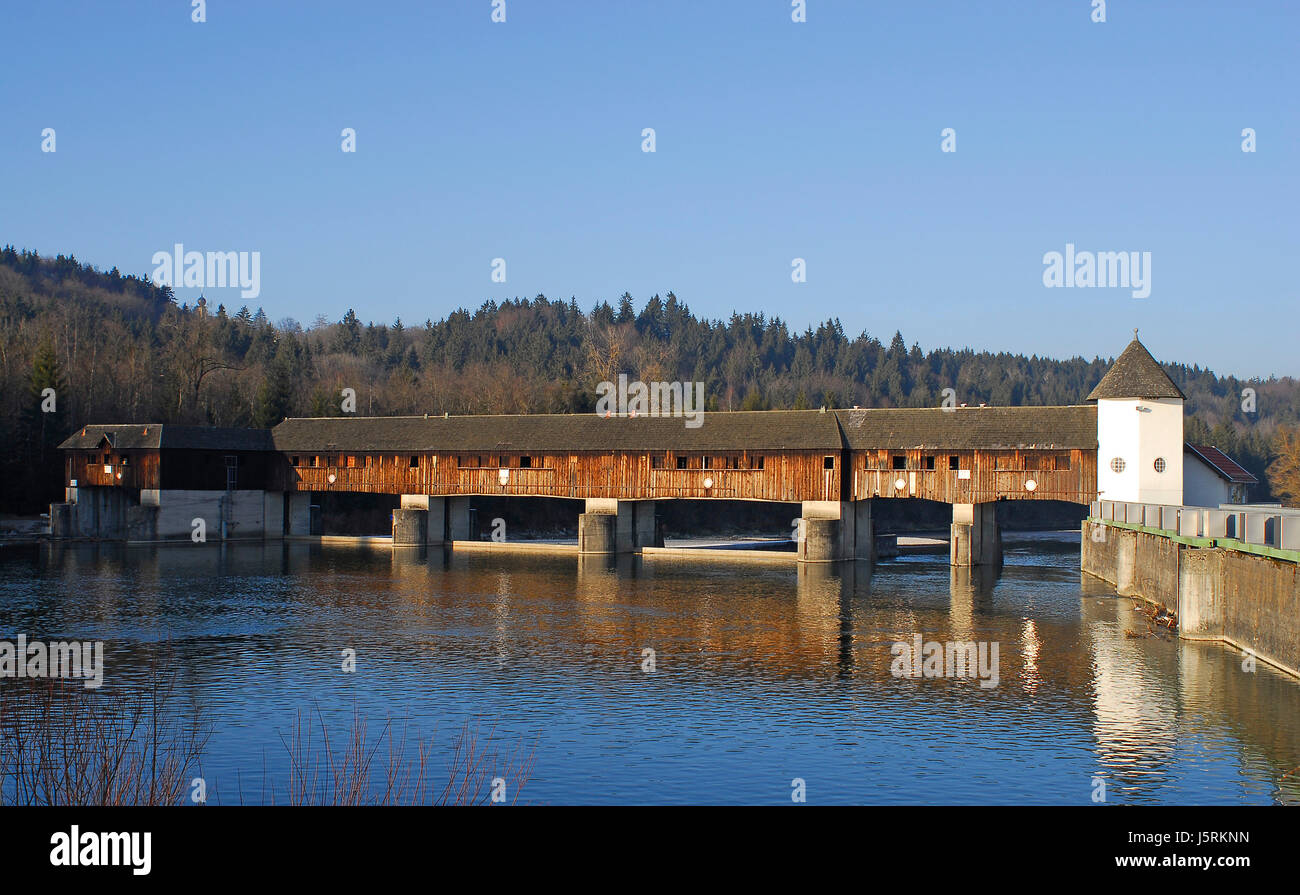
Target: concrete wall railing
<point>1265,526</point>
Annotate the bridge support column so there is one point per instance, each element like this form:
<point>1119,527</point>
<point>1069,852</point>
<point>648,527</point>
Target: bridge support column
<point>460,519</point>
<point>410,527</point>
<point>434,513</point>
<point>299,513</point>
<point>833,530</point>
<point>975,538</point>
<point>273,514</point>
<point>617,526</point>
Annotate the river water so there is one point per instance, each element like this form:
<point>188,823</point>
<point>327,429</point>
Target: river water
<point>767,679</point>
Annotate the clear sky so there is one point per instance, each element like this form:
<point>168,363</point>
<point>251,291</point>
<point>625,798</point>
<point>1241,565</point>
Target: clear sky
<point>774,141</point>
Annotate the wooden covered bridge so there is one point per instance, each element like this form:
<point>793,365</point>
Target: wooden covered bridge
<point>153,481</point>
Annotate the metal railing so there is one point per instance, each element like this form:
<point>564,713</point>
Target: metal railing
<point>1264,526</point>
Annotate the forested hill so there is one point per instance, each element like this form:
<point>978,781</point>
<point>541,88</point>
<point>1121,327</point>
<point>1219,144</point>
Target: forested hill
<point>117,348</point>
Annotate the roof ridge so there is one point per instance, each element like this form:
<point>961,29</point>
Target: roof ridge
<point>1136,374</point>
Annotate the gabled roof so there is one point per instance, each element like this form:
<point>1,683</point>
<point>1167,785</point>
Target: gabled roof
<point>152,436</point>
<point>962,428</point>
<point>1135,374</point>
<point>971,428</point>
<point>575,432</point>
<point>1221,463</point>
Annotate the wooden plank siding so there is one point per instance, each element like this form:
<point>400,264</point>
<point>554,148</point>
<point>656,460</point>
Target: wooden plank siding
<point>993,475</point>
<point>784,476</point>
<point>123,469</point>
<point>962,455</point>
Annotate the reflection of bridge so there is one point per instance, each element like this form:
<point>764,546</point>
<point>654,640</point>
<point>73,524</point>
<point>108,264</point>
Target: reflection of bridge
<point>146,482</point>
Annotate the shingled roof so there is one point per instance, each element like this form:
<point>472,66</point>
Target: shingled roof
<point>1135,374</point>
<point>755,430</point>
<point>152,436</point>
<point>1222,464</point>
<point>971,428</point>
<point>962,428</point>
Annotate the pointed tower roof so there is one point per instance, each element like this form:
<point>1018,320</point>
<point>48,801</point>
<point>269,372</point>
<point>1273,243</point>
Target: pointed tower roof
<point>1135,374</point>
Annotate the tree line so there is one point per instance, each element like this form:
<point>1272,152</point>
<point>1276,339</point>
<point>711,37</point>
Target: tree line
<point>117,348</point>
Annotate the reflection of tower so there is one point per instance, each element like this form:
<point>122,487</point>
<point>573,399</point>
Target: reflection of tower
<point>1135,703</point>
<point>1139,430</point>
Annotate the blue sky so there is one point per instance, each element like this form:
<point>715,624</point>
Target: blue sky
<point>775,140</point>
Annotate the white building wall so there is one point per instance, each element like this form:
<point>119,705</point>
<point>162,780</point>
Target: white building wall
<point>1202,485</point>
<point>1139,432</point>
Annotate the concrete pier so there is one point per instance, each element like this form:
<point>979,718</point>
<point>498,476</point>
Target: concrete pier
<point>835,531</point>
<point>975,538</point>
<point>423,512</point>
<point>617,526</point>
<point>410,527</point>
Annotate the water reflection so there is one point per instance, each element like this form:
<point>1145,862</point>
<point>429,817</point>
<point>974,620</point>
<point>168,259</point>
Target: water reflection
<point>763,672</point>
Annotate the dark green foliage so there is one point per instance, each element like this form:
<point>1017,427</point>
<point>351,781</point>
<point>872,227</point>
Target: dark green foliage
<point>128,353</point>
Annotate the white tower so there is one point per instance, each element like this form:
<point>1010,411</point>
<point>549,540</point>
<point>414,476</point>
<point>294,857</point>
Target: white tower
<point>1139,431</point>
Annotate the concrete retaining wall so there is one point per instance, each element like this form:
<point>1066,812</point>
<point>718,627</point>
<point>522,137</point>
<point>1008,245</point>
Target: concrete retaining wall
<point>1233,596</point>
<point>1260,606</point>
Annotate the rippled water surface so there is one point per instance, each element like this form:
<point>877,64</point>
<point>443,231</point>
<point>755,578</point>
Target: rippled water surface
<point>764,673</point>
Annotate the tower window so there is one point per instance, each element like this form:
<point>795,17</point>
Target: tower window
<point>1160,464</point>
<point>1117,464</point>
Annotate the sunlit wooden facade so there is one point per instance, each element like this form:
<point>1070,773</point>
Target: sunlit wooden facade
<point>961,455</point>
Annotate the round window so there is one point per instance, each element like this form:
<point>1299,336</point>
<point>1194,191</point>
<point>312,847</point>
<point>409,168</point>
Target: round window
<point>1160,464</point>
<point>1117,464</point>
